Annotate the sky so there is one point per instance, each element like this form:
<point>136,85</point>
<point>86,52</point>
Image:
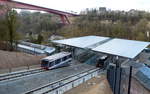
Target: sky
<point>80,5</point>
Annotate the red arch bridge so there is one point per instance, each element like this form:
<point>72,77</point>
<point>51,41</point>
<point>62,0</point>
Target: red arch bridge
<point>19,5</point>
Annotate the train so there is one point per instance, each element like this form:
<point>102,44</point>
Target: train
<point>101,62</point>
<point>35,49</point>
<point>56,60</point>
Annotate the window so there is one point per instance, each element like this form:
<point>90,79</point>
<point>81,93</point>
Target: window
<point>64,58</point>
<point>51,64</point>
<point>70,56</point>
<point>44,63</point>
<point>58,61</point>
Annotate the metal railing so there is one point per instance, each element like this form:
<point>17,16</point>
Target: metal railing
<point>8,76</point>
<point>16,69</point>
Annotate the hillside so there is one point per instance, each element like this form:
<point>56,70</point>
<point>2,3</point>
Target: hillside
<point>17,59</point>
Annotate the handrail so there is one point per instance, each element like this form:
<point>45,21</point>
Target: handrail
<point>31,91</point>
<point>14,73</point>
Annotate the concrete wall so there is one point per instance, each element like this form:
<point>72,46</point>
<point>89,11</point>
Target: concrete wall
<point>65,85</point>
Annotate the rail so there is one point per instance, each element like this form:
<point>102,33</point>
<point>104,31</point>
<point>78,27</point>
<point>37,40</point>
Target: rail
<point>60,86</point>
<point>14,75</point>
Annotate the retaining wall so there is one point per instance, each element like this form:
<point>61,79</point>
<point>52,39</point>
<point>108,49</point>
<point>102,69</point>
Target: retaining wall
<point>68,83</point>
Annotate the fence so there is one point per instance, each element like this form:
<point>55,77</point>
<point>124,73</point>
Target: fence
<point>119,79</point>
<point>18,69</point>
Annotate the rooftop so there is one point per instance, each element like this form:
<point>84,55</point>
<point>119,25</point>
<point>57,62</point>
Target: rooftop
<point>114,46</point>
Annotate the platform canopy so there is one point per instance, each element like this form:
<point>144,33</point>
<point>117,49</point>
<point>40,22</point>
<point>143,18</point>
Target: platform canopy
<point>113,46</point>
<point>81,42</point>
<point>121,47</point>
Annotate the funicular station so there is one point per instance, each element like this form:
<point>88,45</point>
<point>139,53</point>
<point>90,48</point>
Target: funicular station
<point>91,56</point>
<point>111,55</point>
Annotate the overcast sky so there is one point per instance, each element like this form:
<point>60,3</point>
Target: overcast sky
<point>79,5</point>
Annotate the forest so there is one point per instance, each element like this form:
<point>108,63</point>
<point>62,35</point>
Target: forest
<point>133,24</point>
<point>37,27</point>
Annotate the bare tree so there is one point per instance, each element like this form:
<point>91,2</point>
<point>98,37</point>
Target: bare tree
<point>11,23</point>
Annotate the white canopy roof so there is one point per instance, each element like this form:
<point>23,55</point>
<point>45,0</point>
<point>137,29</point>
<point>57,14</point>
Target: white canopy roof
<point>121,47</point>
<point>81,42</point>
<point>118,47</point>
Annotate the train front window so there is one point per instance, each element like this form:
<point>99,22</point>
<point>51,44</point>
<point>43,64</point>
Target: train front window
<point>44,63</point>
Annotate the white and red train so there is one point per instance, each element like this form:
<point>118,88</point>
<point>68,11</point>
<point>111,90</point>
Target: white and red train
<point>57,60</point>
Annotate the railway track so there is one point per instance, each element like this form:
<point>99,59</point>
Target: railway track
<point>15,75</point>
<point>37,83</point>
<point>11,76</point>
<point>68,82</point>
